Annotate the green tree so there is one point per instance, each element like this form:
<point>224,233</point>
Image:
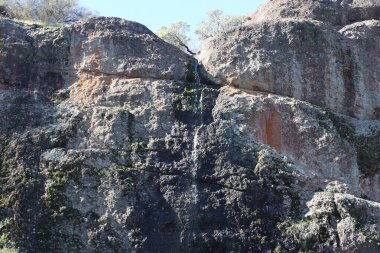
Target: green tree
<point>177,35</point>
<point>46,11</point>
<point>216,23</point>
<point>57,11</point>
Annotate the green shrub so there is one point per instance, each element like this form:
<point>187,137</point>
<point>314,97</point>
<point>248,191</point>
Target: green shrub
<point>45,11</point>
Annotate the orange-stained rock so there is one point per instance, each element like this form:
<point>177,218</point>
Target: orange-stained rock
<point>89,86</point>
<point>317,141</point>
<point>270,129</point>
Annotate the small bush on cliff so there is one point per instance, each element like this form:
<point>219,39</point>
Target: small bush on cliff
<point>216,22</point>
<point>45,11</point>
<point>176,34</point>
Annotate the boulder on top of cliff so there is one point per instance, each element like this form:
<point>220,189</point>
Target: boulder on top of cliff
<point>114,46</point>
<point>42,58</point>
<point>335,12</point>
<point>305,59</point>
<point>104,50</point>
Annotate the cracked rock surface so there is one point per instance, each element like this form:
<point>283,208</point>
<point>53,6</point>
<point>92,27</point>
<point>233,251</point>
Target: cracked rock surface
<point>112,140</point>
<point>337,67</point>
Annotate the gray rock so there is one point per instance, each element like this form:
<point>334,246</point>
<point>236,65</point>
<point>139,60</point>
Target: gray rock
<point>306,60</point>
<point>47,59</point>
<point>113,46</point>
<point>354,222</point>
<point>334,12</point>
<point>110,142</point>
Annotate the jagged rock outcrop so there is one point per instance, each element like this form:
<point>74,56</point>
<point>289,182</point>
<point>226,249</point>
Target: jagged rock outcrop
<point>325,146</point>
<point>306,59</point>
<point>111,140</point>
<point>324,53</point>
<point>301,54</point>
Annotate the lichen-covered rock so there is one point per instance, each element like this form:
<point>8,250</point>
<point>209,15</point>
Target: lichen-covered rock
<point>112,140</point>
<point>47,59</point>
<point>334,12</point>
<point>339,222</point>
<point>112,46</point>
<point>324,146</point>
<point>118,163</point>
<point>29,60</point>
<point>306,60</point>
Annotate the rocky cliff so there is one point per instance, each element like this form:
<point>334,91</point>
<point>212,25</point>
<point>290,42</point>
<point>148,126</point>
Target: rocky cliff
<point>112,140</point>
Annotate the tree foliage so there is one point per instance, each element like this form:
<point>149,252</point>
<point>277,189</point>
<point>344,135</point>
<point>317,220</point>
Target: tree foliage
<point>216,23</point>
<point>46,11</point>
<point>176,34</point>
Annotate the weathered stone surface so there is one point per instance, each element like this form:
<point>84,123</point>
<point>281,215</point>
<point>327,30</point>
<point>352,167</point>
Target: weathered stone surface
<point>32,61</point>
<point>47,59</point>
<point>342,223</point>
<point>125,48</point>
<point>306,60</point>
<point>334,12</point>
<point>325,147</point>
<point>126,149</point>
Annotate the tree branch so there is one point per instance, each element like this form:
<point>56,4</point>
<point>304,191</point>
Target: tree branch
<point>180,42</point>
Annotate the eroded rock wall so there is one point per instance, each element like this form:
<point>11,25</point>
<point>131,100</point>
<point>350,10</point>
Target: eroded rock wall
<point>127,149</point>
<point>333,12</point>
<point>307,60</point>
<point>303,78</point>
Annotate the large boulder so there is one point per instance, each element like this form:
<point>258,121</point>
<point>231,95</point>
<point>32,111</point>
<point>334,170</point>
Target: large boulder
<point>113,46</point>
<point>333,12</point>
<point>46,59</point>
<point>304,59</point>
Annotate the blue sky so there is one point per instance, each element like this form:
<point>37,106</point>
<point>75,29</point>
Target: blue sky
<point>157,13</point>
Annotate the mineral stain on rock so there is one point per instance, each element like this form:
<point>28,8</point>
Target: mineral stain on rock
<point>112,140</point>
<point>271,129</point>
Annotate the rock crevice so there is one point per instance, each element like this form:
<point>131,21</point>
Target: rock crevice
<point>112,140</point>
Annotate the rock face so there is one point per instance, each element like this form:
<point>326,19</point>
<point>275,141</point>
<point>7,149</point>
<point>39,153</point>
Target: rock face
<point>335,67</point>
<point>112,140</point>
<point>112,47</point>
<point>135,51</point>
<point>333,12</point>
